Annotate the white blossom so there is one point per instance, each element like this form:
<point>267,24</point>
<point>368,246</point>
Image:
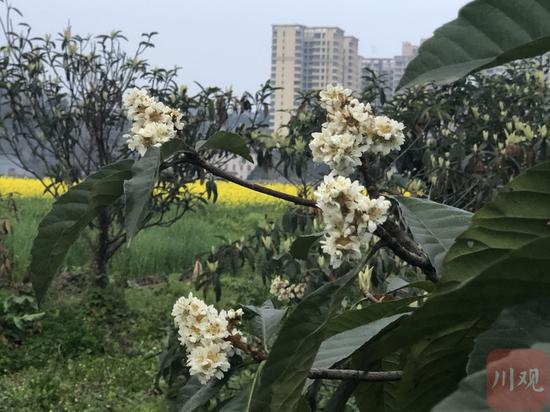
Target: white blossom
<point>352,130</point>
<point>154,123</point>
<point>387,135</point>
<point>284,291</point>
<point>208,361</point>
<point>334,97</point>
<point>205,333</point>
<point>350,217</point>
<point>342,152</point>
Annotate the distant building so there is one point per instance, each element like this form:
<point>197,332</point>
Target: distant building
<point>307,58</point>
<point>239,167</point>
<point>391,69</point>
<point>383,67</point>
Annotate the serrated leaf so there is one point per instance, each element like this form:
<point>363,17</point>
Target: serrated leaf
<point>285,372</point>
<point>230,142</point>
<point>487,33</point>
<point>501,260</point>
<point>301,246</point>
<point>434,226</point>
<point>70,214</point>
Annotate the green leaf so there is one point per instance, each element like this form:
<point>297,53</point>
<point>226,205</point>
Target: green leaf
<point>521,326</point>
<point>501,260</point>
<point>285,372</point>
<point>266,322</point>
<point>435,365</point>
<point>516,327</point>
<point>301,246</point>
<point>239,403</point>
<point>230,142</point>
<point>424,285</point>
<point>70,214</point>
<point>202,394</point>
<point>471,395</point>
<point>243,400</point>
<point>342,345</point>
<point>434,226</point>
<point>379,396</point>
<point>357,317</point>
<point>487,33</point>
<point>138,189</point>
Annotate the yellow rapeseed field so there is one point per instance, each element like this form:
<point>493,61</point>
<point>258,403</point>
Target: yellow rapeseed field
<point>228,193</point>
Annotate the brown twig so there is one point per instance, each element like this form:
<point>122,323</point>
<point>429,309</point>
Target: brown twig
<point>256,354</point>
<point>193,159</point>
<point>355,375</point>
<point>322,373</point>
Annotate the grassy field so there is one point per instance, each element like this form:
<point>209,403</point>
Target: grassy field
<point>153,251</point>
<point>100,357</point>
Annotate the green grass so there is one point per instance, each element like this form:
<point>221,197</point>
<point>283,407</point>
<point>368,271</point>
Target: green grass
<point>98,350</point>
<point>157,250</point>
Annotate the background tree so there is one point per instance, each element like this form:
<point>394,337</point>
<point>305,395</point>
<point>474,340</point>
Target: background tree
<point>62,119</point>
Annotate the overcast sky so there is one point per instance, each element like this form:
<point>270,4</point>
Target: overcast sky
<point>222,43</point>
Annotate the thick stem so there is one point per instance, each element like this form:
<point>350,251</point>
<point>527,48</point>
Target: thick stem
<point>252,186</point>
<point>355,375</point>
<point>394,238</point>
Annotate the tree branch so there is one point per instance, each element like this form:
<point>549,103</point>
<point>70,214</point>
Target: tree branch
<point>321,373</point>
<point>393,237</point>
<point>355,375</point>
<point>390,233</point>
<point>193,159</point>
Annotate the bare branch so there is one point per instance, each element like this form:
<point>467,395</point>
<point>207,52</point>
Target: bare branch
<point>355,375</point>
<point>193,159</point>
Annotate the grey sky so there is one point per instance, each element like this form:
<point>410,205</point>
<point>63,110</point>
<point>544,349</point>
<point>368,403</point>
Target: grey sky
<point>220,42</point>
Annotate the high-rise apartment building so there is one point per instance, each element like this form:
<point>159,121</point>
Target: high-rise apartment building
<point>391,69</point>
<point>307,58</point>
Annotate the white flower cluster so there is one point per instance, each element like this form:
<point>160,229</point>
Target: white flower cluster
<point>205,333</point>
<point>284,291</point>
<point>350,217</point>
<point>349,214</point>
<point>153,122</point>
<point>351,130</point>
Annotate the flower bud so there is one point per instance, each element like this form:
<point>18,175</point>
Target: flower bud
<point>266,240</point>
<point>365,280</point>
<point>321,261</point>
<point>212,266</point>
